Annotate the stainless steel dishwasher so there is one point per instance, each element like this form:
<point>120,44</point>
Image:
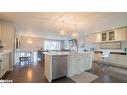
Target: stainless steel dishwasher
<point>59,66</point>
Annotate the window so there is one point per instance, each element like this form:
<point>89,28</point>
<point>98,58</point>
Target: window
<point>51,45</point>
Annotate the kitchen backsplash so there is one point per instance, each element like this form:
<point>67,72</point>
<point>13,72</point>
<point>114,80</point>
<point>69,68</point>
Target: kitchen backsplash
<point>96,46</point>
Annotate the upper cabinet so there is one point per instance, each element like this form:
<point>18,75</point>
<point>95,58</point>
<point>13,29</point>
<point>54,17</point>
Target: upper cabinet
<point>104,36</point>
<point>121,34</point>
<point>112,35</point>
<point>108,36</point>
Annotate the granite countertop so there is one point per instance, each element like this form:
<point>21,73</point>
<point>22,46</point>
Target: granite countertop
<point>121,53</point>
<point>55,53</point>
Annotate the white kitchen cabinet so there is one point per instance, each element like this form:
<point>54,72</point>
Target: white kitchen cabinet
<point>72,65</point>
<point>121,34</point>
<point>98,37</point>
<point>0,32</point>
<point>107,36</point>
<point>112,35</point>
<point>118,60</point>
<point>82,63</point>
<point>8,37</point>
<point>88,61</point>
<point>79,63</point>
<point>4,64</point>
<point>114,59</point>
<point>123,60</point>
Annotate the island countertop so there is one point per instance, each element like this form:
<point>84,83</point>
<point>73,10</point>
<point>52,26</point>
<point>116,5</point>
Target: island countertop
<point>64,53</point>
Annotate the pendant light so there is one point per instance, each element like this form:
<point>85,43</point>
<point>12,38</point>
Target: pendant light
<point>29,40</point>
<point>62,32</point>
<point>75,33</point>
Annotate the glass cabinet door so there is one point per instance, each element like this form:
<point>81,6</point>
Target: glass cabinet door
<point>111,35</point>
<point>104,36</point>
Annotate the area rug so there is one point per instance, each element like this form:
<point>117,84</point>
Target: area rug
<point>84,77</point>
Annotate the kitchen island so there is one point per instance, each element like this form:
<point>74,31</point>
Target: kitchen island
<point>60,64</point>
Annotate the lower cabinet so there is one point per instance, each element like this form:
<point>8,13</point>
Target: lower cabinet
<point>4,64</point>
<point>123,60</point>
<point>118,60</point>
<point>72,66</point>
<point>79,63</point>
<point>114,59</point>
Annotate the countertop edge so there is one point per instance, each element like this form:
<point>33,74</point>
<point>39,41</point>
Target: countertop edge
<point>120,53</point>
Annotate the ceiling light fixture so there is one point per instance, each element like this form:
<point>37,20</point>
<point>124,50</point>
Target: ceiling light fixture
<point>29,40</point>
<point>75,34</point>
<point>62,32</point>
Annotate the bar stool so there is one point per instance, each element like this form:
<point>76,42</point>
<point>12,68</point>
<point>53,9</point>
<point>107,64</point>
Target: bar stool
<point>105,55</point>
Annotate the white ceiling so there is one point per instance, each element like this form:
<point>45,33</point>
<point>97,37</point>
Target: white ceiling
<point>48,25</point>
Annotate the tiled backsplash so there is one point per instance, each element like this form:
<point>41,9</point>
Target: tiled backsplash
<point>96,47</point>
<point>123,46</point>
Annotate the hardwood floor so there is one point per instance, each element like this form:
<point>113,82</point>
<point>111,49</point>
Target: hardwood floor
<point>111,74</point>
<point>34,73</point>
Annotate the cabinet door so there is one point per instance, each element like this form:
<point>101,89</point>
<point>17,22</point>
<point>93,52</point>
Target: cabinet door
<point>121,34</point>
<point>98,37</point>
<point>104,36</point>
<point>88,61</point>
<point>111,35</point>
<point>7,61</point>
<point>71,65</point>
<point>3,68</point>
<point>123,60</point>
<point>114,59</point>
<point>74,64</point>
<point>82,63</point>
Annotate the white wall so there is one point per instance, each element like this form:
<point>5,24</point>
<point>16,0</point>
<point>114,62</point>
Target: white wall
<point>37,44</point>
<point>25,46</point>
